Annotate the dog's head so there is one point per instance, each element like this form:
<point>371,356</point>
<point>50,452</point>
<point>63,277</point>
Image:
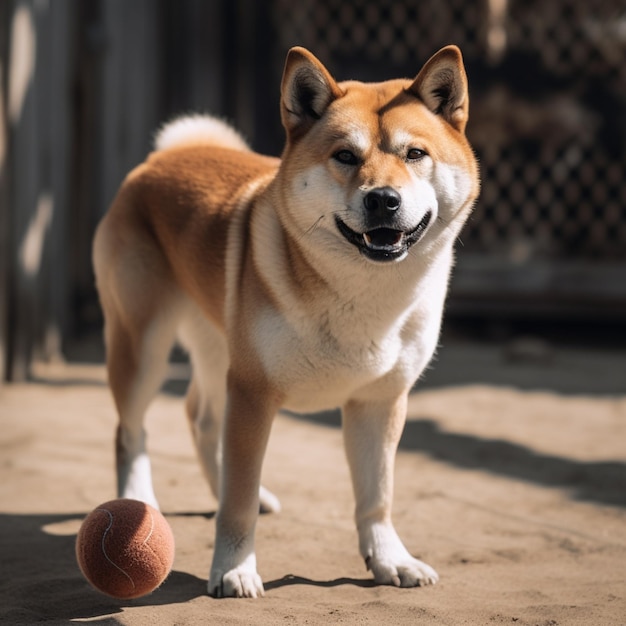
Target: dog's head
<point>378,168</point>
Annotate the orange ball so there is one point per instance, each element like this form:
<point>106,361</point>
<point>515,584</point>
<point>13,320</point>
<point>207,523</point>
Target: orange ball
<point>125,548</point>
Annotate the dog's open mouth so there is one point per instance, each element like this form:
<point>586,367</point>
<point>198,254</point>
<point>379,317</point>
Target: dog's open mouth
<point>384,244</point>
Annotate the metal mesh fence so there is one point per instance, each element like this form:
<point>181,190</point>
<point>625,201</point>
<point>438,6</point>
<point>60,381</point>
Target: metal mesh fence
<point>548,114</point>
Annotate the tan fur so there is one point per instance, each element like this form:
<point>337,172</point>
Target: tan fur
<point>260,268</point>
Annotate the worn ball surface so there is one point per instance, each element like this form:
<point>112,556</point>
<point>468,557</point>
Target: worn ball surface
<point>125,548</point>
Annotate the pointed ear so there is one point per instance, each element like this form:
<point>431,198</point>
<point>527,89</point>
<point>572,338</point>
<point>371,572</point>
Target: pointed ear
<point>306,91</point>
<point>442,86</point>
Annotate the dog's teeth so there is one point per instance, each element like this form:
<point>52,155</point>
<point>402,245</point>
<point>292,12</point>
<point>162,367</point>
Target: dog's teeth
<point>368,239</point>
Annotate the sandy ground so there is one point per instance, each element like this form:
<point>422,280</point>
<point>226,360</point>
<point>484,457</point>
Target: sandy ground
<point>516,496</point>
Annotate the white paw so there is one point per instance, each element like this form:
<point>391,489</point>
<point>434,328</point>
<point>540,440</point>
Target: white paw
<point>269,503</point>
<point>135,481</point>
<point>389,560</point>
<point>240,582</point>
<point>408,572</point>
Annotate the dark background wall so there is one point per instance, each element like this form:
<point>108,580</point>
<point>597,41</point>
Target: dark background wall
<point>84,84</point>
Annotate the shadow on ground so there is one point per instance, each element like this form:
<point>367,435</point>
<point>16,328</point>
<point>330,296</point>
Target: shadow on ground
<point>28,550</point>
<point>600,482</point>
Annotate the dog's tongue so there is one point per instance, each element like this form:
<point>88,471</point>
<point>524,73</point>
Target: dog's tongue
<point>382,238</point>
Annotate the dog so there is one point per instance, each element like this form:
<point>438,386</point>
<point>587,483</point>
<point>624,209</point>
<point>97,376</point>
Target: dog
<point>308,282</point>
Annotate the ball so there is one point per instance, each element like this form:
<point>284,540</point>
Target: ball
<point>125,548</point>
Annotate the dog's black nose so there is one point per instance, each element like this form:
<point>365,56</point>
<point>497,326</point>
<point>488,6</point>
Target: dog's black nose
<point>382,200</point>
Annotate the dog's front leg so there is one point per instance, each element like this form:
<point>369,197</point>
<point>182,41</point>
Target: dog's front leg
<point>247,426</point>
<point>371,434</point>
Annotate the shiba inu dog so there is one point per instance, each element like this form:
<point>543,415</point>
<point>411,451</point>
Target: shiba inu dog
<point>310,282</point>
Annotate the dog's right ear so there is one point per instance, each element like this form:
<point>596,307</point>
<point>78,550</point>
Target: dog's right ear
<point>307,89</point>
<point>442,86</point>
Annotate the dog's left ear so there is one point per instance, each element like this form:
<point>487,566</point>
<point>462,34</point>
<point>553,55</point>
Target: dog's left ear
<point>442,86</point>
<point>306,91</point>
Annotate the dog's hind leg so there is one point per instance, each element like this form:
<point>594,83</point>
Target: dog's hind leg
<point>142,308</point>
<point>206,400</point>
<point>136,364</point>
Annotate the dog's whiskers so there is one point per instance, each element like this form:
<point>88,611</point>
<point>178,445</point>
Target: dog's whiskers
<point>313,226</point>
<point>322,217</point>
<point>341,212</point>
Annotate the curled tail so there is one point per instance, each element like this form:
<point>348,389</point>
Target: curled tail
<point>198,129</point>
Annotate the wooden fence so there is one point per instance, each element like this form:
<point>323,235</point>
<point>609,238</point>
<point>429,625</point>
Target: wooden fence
<point>83,85</point>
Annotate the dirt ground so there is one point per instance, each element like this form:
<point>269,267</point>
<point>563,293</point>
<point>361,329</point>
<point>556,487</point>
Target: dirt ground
<point>511,482</point>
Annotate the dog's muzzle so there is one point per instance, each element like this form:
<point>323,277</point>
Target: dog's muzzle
<point>384,244</point>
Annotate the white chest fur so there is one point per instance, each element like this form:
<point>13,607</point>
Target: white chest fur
<point>321,358</point>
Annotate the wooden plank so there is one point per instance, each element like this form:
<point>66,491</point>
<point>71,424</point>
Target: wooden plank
<point>130,89</point>
<point>35,286</point>
<point>492,286</point>
<point>4,196</point>
<point>119,98</point>
<point>24,175</point>
<point>193,37</point>
<point>56,33</point>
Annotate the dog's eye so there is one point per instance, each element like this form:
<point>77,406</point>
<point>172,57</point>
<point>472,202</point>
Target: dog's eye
<point>415,154</point>
<point>345,157</point>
